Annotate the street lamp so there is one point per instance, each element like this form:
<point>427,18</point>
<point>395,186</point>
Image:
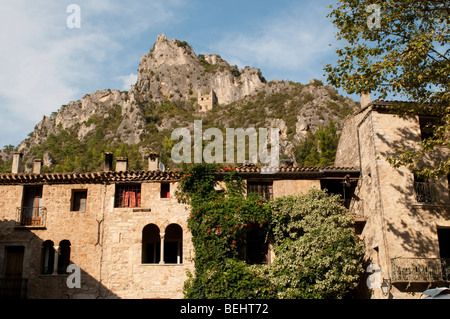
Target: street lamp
<point>385,287</point>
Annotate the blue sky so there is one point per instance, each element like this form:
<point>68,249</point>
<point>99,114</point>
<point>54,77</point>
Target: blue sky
<point>44,64</point>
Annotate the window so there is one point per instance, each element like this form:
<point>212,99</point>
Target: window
<point>422,190</point>
<point>64,256</point>
<point>31,211</point>
<point>263,189</point>
<point>48,257</point>
<point>257,248</point>
<point>165,190</point>
<point>79,198</point>
<point>173,245</point>
<point>444,251</point>
<point>444,242</point>
<point>128,196</point>
<point>427,126</point>
<point>52,258</point>
<point>167,251</point>
<point>343,187</point>
<point>151,245</point>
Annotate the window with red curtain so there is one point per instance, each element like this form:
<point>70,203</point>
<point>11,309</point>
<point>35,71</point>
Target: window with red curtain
<point>165,190</point>
<point>128,196</point>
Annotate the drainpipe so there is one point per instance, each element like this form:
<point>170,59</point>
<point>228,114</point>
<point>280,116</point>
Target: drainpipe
<point>100,241</point>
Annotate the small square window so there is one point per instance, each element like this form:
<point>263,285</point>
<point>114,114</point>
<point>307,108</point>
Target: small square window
<point>263,189</point>
<point>165,190</point>
<point>79,198</point>
<point>427,126</point>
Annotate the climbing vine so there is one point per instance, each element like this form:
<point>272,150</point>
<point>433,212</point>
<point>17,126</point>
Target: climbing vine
<point>219,222</point>
<point>318,253</point>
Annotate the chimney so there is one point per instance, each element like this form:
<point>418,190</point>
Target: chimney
<point>108,164</point>
<point>153,162</point>
<point>365,99</point>
<point>17,163</point>
<point>121,164</point>
<point>37,166</point>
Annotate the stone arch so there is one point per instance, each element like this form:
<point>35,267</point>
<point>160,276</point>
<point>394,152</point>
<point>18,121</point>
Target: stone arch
<point>48,257</point>
<point>151,244</point>
<point>173,244</point>
<point>64,256</point>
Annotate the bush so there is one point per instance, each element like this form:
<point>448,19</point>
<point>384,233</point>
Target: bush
<point>318,253</point>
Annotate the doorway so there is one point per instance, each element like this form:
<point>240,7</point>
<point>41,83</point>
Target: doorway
<point>13,285</point>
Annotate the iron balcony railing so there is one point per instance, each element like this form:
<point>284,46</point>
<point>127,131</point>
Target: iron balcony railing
<point>423,192</point>
<point>420,270</point>
<point>31,216</point>
<point>13,288</point>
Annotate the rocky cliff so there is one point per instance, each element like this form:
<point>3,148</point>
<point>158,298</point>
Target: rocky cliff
<point>166,96</point>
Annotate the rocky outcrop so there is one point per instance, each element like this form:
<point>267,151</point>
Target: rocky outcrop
<point>172,71</point>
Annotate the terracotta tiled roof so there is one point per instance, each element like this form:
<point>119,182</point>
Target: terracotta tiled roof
<point>383,105</point>
<point>87,178</point>
<point>159,176</point>
<point>292,169</point>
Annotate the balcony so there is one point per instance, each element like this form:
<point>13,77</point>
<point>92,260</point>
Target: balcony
<point>420,270</point>
<point>31,217</point>
<point>13,288</point>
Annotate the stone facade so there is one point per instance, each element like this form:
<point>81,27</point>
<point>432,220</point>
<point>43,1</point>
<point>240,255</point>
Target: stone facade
<point>107,242</point>
<point>400,230</point>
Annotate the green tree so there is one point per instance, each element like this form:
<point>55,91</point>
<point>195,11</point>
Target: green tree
<point>406,55</point>
<point>318,149</point>
<point>318,254</point>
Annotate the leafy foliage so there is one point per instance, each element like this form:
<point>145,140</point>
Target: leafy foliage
<point>407,56</point>
<point>318,254</point>
<point>318,149</point>
<point>219,223</point>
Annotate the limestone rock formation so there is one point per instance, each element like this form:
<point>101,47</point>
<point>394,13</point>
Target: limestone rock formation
<point>173,85</point>
<point>172,70</point>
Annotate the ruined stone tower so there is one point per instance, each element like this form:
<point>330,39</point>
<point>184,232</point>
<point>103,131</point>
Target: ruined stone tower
<point>206,101</point>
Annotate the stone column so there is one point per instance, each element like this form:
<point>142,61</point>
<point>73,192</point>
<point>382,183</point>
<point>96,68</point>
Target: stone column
<point>56,259</point>
<point>161,261</point>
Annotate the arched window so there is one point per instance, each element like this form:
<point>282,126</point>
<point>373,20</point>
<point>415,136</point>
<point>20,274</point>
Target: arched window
<point>151,245</point>
<point>48,257</point>
<point>64,256</point>
<point>173,244</point>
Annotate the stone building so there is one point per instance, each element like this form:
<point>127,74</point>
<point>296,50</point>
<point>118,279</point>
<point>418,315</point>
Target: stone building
<point>124,229</point>
<point>128,234</point>
<point>406,219</point>
<point>206,101</point>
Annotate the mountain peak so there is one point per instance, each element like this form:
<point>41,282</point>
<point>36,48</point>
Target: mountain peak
<point>172,70</point>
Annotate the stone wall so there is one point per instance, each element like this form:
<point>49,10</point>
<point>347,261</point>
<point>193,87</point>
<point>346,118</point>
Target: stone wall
<point>396,226</point>
<point>106,242</point>
<point>291,187</point>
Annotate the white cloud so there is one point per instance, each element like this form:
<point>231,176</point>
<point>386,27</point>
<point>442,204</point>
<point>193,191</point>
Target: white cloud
<point>297,41</point>
<point>44,64</point>
<point>128,81</point>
